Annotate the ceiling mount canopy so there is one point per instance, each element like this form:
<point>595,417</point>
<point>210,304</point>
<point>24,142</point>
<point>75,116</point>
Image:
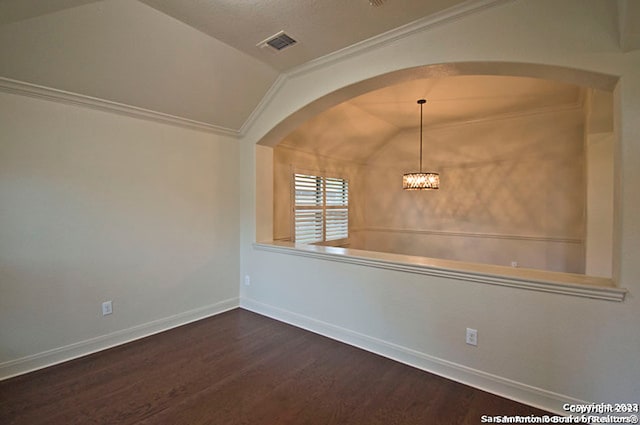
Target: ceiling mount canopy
<point>421,180</point>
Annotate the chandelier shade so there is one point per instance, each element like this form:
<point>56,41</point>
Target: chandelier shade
<point>421,180</point>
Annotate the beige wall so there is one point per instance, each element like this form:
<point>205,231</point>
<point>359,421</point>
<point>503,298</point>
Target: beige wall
<point>288,161</point>
<point>545,349</point>
<point>96,206</point>
<point>512,190</point>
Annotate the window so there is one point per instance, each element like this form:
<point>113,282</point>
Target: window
<point>321,208</point>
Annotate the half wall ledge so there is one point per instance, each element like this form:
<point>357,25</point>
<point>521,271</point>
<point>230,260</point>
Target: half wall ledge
<point>533,280</point>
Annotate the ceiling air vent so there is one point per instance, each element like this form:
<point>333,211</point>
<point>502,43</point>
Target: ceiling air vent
<point>278,41</point>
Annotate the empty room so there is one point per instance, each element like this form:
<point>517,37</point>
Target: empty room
<point>321,212</point>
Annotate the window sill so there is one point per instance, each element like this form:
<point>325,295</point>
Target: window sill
<point>529,279</point>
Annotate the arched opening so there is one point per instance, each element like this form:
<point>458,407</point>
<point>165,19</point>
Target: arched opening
<point>525,154</point>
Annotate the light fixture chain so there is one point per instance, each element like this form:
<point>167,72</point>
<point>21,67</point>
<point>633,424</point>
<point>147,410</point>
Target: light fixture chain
<point>421,180</point>
<point>421,104</point>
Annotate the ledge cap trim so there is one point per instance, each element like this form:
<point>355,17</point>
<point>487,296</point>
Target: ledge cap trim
<point>529,279</point>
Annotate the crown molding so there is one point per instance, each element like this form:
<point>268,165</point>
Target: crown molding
<point>262,105</point>
<point>551,109</point>
<point>23,88</point>
<point>423,24</point>
<point>448,15</point>
<point>9,85</point>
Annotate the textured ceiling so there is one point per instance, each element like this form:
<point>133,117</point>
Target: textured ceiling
<point>127,52</point>
<point>356,129</point>
<point>18,10</point>
<point>629,24</point>
<point>197,60</point>
<point>463,98</point>
<point>319,26</point>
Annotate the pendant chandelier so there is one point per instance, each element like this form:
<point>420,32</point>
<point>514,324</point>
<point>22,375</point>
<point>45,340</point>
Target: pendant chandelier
<point>421,180</point>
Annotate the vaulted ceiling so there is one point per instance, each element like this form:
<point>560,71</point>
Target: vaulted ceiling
<point>356,129</point>
<point>197,60</point>
<point>319,26</point>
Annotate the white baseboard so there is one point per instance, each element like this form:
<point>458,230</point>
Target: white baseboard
<point>504,387</point>
<point>79,349</point>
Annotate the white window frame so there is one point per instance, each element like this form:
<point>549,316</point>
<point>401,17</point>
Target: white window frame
<point>322,204</point>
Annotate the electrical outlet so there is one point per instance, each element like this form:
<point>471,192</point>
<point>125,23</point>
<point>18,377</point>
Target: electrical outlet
<point>247,280</point>
<point>107,308</point>
<point>472,336</point>
<point>515,264</point>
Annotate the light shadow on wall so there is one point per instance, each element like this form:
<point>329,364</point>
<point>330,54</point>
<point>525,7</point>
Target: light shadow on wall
<point>514,179</point>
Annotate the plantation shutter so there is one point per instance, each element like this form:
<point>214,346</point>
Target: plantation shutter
<point>337,211</point>
<point>309,199</point>
<point>321,208</point>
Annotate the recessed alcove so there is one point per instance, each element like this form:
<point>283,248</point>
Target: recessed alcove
<point>525,154</point>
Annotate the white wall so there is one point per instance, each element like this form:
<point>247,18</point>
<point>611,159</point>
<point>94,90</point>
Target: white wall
<point>96,206</point>
<point>128,52</point>
<point>599,147</point>
<point>538,347</point>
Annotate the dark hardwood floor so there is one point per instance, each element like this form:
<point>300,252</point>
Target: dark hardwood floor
<point>242,368</point>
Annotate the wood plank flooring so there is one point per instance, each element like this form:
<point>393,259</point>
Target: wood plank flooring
<point>242,368</point>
